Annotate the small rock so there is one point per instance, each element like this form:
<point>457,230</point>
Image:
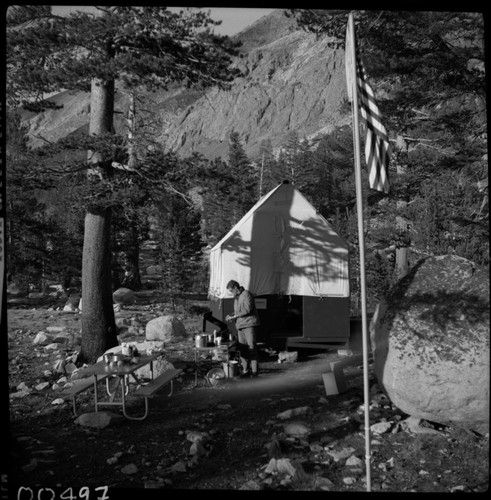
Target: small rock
<point>287,357</point>
<point>194,436</point>
<point>20,394</point>
<point>354,461</point>
<point>70,368</point>
<point>55,328</point>
<point>42,339</point>
<point>324,483</point>
<point>457,488</point>
<point>41,386</point>
<point>179,467</point>
<point>349,480</point>
<point>302,410</point>
<point>129,469</point>
<point>224,407</point>
<point>271,467</point>
<point>251,485</point>
<point>380,427</point>
<point>23,387</point>
<point>297,429</point>
<point>52,347</point>
<point>341,455</point>
<point>413,425</point>
<point>290,467</point>
<point>285,414</point>
<point>73,358</point>
<point>197,449</point>
<point>57,401</point>
<point>98,420</point>
<point>59,366</point>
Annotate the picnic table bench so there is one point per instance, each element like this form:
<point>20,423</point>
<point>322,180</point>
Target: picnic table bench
<point>78,387</point>
<point>149,390</point>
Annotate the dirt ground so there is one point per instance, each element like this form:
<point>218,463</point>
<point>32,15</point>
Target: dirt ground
<point>244,432</point>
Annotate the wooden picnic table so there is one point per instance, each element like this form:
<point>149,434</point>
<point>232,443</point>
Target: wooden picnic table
<point>101,371</point>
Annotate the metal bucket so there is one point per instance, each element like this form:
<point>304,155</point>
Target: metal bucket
<point>231,369</point>
<point>201,340</point>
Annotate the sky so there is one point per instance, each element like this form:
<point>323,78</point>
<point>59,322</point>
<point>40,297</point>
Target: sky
<point>234,19</point>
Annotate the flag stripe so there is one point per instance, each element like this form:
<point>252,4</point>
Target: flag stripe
<point>377,147</point>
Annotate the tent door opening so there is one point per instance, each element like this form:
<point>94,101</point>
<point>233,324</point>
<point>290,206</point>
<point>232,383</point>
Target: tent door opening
<point>281,315</point>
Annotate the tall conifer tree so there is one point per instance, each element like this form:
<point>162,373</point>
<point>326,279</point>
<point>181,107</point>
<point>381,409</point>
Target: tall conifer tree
<point>148,46</point>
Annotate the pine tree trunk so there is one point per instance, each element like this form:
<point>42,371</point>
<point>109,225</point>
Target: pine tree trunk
<point>98,324</point>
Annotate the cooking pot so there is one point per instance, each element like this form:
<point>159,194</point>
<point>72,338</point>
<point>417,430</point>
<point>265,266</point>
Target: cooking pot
<point>201,340</point>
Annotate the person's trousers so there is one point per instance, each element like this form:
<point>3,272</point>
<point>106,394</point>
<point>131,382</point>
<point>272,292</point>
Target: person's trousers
<point>248,348</point>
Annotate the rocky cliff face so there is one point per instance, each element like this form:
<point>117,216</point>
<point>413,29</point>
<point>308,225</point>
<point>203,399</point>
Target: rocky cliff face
<point>292,82</point>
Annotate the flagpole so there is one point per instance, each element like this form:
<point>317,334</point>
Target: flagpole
<point>361,243</point>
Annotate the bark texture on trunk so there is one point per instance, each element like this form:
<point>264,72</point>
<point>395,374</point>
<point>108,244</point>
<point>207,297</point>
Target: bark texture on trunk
<point>98,324</point>
<point>101,107</point>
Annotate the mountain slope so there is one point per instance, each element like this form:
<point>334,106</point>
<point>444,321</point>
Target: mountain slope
<point>292,81</point>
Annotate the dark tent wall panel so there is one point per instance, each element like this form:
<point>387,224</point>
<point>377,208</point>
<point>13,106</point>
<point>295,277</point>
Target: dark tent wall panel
<point>327,317</point>
<point>312,319</point>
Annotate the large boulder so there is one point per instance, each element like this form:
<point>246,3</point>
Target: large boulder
<point>17,290</point>
<point>124,296</point>
<point>430,341</point>
<point>164,328</point>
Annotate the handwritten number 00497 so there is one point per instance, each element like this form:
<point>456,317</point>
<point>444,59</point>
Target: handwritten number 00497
<point>26,493</point>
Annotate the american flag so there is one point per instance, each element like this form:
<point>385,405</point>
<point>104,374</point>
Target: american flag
<point>377,148</point>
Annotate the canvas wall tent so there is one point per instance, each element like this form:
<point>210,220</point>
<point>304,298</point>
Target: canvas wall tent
<point>294,263</point>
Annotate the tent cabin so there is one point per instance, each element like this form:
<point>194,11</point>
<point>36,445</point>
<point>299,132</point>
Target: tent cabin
<point>296,266</point>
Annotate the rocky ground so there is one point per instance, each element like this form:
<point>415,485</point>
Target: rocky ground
<point>277,432</point>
